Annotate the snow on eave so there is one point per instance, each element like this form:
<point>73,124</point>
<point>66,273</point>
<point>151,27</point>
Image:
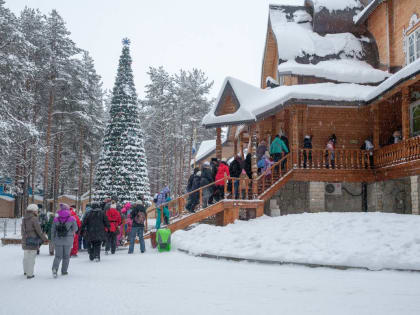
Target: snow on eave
<point>409,71</point>
<point>340,70</point>
<point>362,16</point>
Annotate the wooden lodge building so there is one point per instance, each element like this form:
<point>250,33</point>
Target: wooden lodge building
<point>349,71</point>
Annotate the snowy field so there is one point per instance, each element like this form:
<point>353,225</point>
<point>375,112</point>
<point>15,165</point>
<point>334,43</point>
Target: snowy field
<point>175,283</point>
<point>371,240</point>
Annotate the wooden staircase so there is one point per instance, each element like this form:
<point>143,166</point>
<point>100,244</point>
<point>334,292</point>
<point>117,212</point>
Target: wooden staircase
<point>393,161</point>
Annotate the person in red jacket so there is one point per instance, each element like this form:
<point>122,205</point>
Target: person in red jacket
<point>75,248</point>
<point>114,219</point>
<point>220,175</point>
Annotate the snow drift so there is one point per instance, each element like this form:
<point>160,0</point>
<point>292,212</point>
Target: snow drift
<point>371,240</point>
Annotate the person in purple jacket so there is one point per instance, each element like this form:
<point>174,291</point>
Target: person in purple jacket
<point>62,233</point>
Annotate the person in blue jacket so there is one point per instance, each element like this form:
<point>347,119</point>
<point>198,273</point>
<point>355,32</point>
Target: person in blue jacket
<point>162,198</point>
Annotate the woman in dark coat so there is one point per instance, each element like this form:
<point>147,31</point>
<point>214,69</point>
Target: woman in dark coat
<point>193,199</point>
<point>93,229</point>
<point>206,178</point>
<point>247,166</point>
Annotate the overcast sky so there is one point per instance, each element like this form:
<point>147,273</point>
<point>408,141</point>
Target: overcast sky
<point>221,37</point>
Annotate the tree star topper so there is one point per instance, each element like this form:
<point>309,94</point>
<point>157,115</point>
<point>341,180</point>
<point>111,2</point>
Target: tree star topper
<point>126,41</point>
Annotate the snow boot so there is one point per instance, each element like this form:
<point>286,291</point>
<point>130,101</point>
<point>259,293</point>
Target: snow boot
<point>30,277</point>
<point>54,272</point>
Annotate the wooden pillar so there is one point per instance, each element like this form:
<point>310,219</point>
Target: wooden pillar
<point>295,135</point>
<point>376,126</point>
<point>241,145</point>
<point>273,127</point>
<point>219,143</point>
<point>405,107</point>
<point>254,169</point>
<point>235,147</point>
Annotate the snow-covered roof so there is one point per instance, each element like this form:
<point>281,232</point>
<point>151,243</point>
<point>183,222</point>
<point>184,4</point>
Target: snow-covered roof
<point>255,102</point>
<point>364,14</point>
<point>404,74</point>
<point>207,147</point>
<point>342,70</point>
<point>335,5</point>
<point>296,38</point>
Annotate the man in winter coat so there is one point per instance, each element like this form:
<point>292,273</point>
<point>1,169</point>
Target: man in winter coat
<point>114,219</point>
<point>277,148</point>
<point>32,237</point>
<point>191,179</point>
<point>248,165</point>
<point>235,170</point>
<point>220,184</point>
<point>75,247</point>
<point>62,234</point>
<point>206,179</point>
<point>138,217</point>
<point>93,228</point>
<point>193,199</point>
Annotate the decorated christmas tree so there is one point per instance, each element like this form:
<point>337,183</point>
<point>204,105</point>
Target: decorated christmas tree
<point>122,167</point>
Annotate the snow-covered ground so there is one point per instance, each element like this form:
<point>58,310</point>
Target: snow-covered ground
<point>175,283</point>
<point>372,240</point>
<point>10,228</point>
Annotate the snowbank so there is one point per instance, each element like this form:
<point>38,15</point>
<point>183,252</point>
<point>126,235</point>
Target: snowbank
<point>335,5</point>
<point>371,240</point>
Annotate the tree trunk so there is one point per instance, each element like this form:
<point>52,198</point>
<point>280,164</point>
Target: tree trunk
<point>80,168</point>
<point>90,178</point>
<point>48,140</point>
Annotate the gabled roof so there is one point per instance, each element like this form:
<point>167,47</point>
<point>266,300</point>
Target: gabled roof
<point>256,103</point>
<point>366,12</point>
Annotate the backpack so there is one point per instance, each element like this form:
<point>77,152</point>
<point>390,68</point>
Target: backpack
<point>140,218</point>
<point>61,229</point>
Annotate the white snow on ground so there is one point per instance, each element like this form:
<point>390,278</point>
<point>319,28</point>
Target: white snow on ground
<point>175,283</point>
<point>10,228</point>
<point>342,70</point>
<point>372,240</point>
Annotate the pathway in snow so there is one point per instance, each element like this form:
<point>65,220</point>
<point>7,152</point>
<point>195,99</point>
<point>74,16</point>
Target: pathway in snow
<point>175,283</point>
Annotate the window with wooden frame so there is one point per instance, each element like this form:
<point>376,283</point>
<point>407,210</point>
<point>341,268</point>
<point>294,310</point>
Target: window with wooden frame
<point>413,46</point>
<point>415,118</point>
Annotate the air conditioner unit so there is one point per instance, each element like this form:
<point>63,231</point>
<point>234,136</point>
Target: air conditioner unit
<point>333,189</point>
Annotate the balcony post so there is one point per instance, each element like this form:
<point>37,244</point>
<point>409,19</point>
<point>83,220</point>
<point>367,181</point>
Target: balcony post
<point>405,107</point>
<point>253,135</point>
<point>219,143</point>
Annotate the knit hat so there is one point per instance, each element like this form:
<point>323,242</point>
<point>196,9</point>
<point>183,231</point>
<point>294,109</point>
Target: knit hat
<point>64,206</point>
<point>32,207</point>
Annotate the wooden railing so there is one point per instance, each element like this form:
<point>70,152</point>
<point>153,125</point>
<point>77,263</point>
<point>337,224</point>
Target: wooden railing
<point>405,151</point>
<point>272,174</point>
<point>202,195</point>
<point>342,159</point>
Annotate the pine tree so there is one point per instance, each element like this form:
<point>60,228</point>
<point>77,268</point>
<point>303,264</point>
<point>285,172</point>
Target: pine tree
<point>122,167</point>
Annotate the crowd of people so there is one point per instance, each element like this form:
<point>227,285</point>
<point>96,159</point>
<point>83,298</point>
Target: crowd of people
<point>102,225</point>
